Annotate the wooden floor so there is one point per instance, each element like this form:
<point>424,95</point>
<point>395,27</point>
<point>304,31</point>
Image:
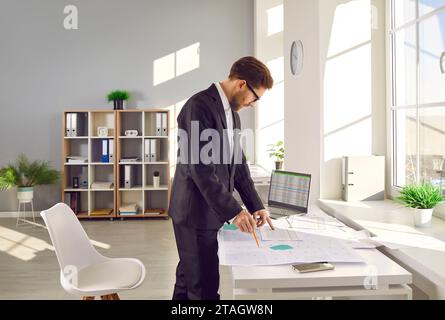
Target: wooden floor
<point>29,268</point>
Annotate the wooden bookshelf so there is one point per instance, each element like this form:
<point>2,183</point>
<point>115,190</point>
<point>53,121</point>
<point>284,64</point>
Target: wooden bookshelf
<point>142,193</point>
<point>104,202</point>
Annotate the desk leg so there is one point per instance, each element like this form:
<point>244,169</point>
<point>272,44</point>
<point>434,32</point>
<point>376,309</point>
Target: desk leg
<point>226,283</point>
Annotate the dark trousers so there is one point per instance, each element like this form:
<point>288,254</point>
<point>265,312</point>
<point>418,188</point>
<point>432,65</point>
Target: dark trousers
<point>197,274</point>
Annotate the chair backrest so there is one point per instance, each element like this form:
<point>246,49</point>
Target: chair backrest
<point>73,248</point>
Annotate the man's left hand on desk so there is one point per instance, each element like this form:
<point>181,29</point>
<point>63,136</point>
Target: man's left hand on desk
<point>261,217</point>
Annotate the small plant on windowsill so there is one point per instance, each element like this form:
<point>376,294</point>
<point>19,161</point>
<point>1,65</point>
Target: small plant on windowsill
<point>422,198</point>
<point>276,150</point>
<point>118,97</point>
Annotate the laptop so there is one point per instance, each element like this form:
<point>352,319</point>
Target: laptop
<point>288,194</point>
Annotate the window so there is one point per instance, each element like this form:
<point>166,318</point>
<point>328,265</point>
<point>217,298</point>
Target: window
<point>269,114</point>
<point>417,37</point>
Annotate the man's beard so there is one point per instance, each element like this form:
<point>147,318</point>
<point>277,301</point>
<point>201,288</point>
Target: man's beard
<point>235,105</point>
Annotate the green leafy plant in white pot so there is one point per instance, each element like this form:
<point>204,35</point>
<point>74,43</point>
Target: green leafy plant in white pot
<point>276,150</point>
<point>422,198</point>
<point>25,175</point>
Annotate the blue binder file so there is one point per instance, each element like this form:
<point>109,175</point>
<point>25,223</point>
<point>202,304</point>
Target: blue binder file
<point>105,151</point>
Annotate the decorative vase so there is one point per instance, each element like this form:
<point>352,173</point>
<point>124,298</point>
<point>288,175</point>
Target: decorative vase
<point>156,181</point>
<point>278,165</point>
<point>118,104</point>
<point>422,217</point>
<point>25,194</point>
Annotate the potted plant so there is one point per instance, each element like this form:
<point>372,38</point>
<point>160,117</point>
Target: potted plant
<point>118,97</point>
<point>277,151</point>
<point>25,175</point>
<point>422,198</point>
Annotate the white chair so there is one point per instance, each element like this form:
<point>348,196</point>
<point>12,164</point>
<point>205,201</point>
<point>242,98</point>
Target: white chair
<point>83,270</point>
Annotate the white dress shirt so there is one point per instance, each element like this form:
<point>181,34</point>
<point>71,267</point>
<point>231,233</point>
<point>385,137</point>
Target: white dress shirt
<point>229,116</point>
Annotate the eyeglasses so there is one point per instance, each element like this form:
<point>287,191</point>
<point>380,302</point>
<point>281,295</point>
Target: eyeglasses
<point>253,91</point>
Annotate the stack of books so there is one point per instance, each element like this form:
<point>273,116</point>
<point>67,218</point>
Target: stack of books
<point>154,212</point>
<point>101,212</point>
<point>102,185</point>
<point>129,209</point>
<point>75,159</point>
<point>130,159</point>
<point>72,199</point>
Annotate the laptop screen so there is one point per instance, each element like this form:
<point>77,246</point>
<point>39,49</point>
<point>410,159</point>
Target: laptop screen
<point>289,190</point>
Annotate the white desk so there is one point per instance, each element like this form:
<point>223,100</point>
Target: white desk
<point>387,218</point>
<point>379,277</point>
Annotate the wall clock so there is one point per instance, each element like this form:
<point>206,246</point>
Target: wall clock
<point>296,57</point>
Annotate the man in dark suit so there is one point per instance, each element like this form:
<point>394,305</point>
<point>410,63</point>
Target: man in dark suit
<point>211,164</point>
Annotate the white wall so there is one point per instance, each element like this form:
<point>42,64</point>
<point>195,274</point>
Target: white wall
<point>336,107</point>
<point>45,69</point>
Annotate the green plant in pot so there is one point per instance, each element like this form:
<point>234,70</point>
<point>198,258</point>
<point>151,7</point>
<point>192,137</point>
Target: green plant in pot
<point>25,175</point>
<point>118,97</point>
<point>422,198</point>
<point>276,150</point>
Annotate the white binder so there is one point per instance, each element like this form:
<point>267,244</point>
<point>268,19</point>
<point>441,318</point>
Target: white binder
<point>147,150</point>
<point>158,124</point>
<point>74,124</point>
<point>363,178</point>
<point>68,125</point>
<point>154,150</point>
<point>164,124</point>
<point>111,150</point>
<point>128,176</point>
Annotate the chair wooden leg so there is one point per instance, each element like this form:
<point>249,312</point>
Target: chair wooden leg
<point>113,296</point>
<point>88,298</point>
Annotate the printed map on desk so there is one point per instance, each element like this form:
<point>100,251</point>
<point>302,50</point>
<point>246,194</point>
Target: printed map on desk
<point>239,249</point>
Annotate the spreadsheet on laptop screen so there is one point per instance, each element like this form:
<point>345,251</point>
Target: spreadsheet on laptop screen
<point>290,189</point>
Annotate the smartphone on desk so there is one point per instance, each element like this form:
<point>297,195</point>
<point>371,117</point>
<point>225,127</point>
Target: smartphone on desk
<point>312,267</point>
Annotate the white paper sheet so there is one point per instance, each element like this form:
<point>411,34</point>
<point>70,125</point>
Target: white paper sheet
<point>240,249</point>
<point>267,234</point>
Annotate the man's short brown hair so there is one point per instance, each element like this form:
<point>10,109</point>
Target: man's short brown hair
<point>253,71</point>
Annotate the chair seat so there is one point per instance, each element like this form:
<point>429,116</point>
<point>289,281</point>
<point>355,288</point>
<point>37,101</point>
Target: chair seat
<point>115,274</point>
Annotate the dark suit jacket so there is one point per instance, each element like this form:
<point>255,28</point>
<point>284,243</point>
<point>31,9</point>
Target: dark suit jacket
<point>201,195</point>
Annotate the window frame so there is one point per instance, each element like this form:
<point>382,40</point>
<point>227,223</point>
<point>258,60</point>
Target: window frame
<point>391,30</point>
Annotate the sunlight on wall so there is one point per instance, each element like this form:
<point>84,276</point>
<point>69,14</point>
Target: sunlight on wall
<point>275,20</point>
<point>276,67</point>
<point>351,27</point>
<point>187,59</point>
<point>347,94</point>
<point>348,83</point>
<point>353,140</point>
<point>163,69</point>
<point>176,64</point>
